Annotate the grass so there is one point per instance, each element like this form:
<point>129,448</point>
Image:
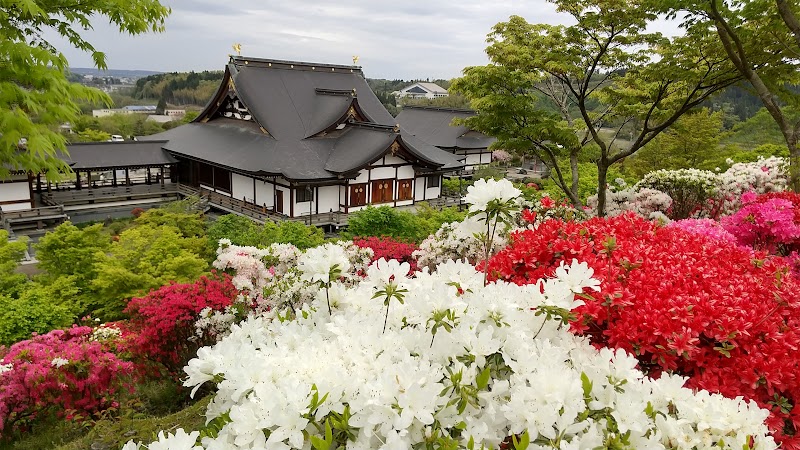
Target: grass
<point>156,406</point>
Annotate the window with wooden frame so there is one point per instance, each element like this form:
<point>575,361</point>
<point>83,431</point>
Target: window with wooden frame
<point>304,194</point>
<point>405,189</point>
<point>433,181</point>
<point>382,191</point>
<point>358,194</point>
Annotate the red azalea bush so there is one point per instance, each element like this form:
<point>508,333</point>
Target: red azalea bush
<point>388,248</point>
<point>725,317</point>
<point>164,320</point>
<point>59,372</point>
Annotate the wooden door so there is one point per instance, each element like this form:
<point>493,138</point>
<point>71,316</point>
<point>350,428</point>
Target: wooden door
<point>279,201</point>
<point>358,194</point>
<point>404,189</point>
<point>382,191</point>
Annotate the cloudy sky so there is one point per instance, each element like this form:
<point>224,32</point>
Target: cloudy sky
<point>403,39</point>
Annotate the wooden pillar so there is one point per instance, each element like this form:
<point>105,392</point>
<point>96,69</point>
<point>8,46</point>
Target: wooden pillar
<point>396,185</point>
<point>316,197</point>
<point>346,196</point>
<point>114,177</point>
<point>39,183</point>
<point>78,179</point>
<point>149,181</point>
<point>127,177</point>
<point>291,200</point>
<point>414,194</point>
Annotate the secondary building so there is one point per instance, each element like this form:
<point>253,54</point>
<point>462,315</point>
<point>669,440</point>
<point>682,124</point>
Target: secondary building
<point>422,90</point>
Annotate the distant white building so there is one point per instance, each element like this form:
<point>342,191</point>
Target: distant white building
<point>137,109</point>
<point>422,90</point>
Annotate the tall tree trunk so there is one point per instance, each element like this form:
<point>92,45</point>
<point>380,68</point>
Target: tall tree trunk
<point>573,166</point>
<point>602,181</point>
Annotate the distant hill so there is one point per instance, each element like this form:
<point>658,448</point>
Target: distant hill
<point>113,72</point>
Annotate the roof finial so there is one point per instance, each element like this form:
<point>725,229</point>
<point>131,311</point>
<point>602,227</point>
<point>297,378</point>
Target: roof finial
<point>355,59</point>
<point>237,48</point>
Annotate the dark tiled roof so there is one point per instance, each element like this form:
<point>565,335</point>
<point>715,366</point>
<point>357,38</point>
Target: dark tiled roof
<point>294,103</point>
<point>434,126</point>
<point>107,155</point>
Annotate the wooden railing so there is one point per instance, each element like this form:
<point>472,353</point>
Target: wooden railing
<point>111,194</point>
<point>35,215</point>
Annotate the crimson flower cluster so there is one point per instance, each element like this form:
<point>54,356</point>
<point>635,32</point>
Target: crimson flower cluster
<point>163,321</point>
<point>724,316</point>
<point>63,370</point>
<point>388,248</point>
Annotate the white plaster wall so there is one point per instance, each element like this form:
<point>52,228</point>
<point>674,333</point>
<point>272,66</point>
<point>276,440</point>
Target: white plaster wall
<point>328,198</point>
<point>405,203</point>
<point>405,172</point>
<point>209,188</point>
<point>15,191</point>
<point>16,206</point>
<point>363,176</point>
<point>473,160</point>
<point>265,194</point>
<point>389,159</point>
<point>242,187</point>
<point>486,158</point>
<point>382,172</point>
<point>419,190</point>
<point>432,193</point>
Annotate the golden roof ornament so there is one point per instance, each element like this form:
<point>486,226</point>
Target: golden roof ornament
<point>355,60</point>
<point>237,48</point>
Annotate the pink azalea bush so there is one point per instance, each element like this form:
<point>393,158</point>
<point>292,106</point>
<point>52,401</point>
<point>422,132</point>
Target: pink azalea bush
<point>764,224</point>
<point>705,227</point>
<point>62,372</point>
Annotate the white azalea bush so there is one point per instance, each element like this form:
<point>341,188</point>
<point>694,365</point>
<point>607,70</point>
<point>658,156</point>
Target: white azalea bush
<point>493,205</point>
<point>642,201</point>
<point>274,277</point>
<point>457,365</point>
<point>762,176</point>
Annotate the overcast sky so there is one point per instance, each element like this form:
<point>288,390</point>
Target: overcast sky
<point>402,39</point>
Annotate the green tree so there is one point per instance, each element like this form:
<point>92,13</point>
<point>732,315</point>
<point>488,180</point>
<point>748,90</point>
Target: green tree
<point>762,40</point>
<point>145,257</point>
<point>692,141</point>
<point>387,221</point>
<point>620,81</point>
<point>40,308</point>
<point>11,253</point>
<point>90,135</point>
<point>35,93</point>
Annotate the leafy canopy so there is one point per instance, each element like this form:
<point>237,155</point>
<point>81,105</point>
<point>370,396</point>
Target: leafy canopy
<point>35,94</point>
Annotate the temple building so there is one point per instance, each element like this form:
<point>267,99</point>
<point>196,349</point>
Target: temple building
<point>435,126</point>
<point>300,138</point>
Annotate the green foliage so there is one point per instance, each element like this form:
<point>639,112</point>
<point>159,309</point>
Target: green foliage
<point>435,217</point>
<point>243,231</point>
<point>40,308</point>
<point>757,130</point>
<point>692,141</point>
<point>11,253</point>
<point>69,250</point>
<point>185,88</point>
<point>299,235</point>
<point>35,94</point>
<point>145,257</point>
<point>190,224</point>
<point>454,100</point>
<point>93,128</point>
<point>387,221</point>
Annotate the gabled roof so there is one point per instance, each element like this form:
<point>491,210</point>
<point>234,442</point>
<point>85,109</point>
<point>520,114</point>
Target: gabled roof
<point>302,121</point>
<point>435,127</point>
<point>433,88</point>
<point>109,155</point>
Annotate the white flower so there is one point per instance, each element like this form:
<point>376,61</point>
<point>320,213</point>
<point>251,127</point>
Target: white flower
<point>383,272</point>
<point>482,192</point>
<point>58,362</point>
<point>6,368</point>
<point>178,441</point>
<point>316,263</point>
<point>577,276</point>
<point>130,445</point>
